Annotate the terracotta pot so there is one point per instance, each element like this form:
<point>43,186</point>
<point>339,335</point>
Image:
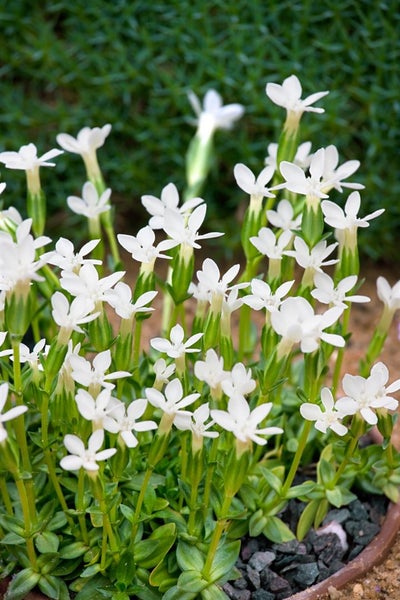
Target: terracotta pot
<point>371,556</point>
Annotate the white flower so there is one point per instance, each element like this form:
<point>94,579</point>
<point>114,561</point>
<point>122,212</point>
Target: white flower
<point>9,352</point>
<point>27,159</point>
<point>242,423</point>
<point>91,205</point>
<point>326,292</point>
<point>172,400</point>
<point>389,295</point>
<point>95,373</point>
<point>247,181</point>
<point>365,395</point>
<point>269,244</point>
<point>213,115</point>
<point>18,264</point>
<point>335,174</point>
<point>296,322</point>
<point>80,457</point>
<point>263,297</point>
<point>169,200</point>
<point>238,382</point>
<point>2,187</point>
<point>231,302</point>
<point>126,420</point>
<point>13,413</point>
<point>98,409</point>
<point>175,347</point>
<point>142,247</point>
<point>32,357</point>
<point>163,371</point>
<point>338,218</point>
<point>67,259</point>
<point>313,258</point>
<point>211,370</point>
<point>297,181</point>
<point>196,422</point>
<point>329,418</point>
<point>87,141</point>
<point>87,284</point>
<point>186,231</point>
<point>71,316</point>
<point>288,95</point>
<point>211,282</point>
<point>283,217</point>
<point>120,298</point>
<point>302,157</point>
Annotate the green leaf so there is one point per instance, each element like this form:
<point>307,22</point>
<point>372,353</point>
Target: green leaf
<point>224,560</point>
<point>12,539</point>
<point>321,513</point>
<point>276,531</point>
<point>57,522</point>
<point>392,492</point>
<point>73,550</point>
<point>213,592</point>
<point>189,557</point>
<point>161,578</point>
<point>91,570</point>
<point>301,490</point>
<point>257,523</point>
<point>274,479</point>
<point>192,581</point>
<point>47,542</point>
<point>128,512</point>
<point>176,593</point>
<point>307,518</point>
<point>326,472</point>
<point>53,587</point>
<point>21,584</point>
<point>148,553</point>
<point>125,568</point>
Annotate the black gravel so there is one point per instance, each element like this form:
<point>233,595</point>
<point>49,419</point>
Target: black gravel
<point>270,571</point>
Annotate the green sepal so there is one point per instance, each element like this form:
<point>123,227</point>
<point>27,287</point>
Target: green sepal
<point>36,209</point>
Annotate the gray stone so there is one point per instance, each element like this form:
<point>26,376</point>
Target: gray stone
<point>260,560</point>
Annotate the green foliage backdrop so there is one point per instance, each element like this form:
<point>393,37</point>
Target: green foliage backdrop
<point>64,65</point>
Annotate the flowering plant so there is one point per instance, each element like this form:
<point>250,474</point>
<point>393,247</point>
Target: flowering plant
<point>132,467</point>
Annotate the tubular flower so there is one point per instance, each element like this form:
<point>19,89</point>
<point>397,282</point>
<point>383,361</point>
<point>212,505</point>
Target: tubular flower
<point>169,199</point>
<point>213,115</point>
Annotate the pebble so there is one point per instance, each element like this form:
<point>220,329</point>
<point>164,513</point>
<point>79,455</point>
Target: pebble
<point>260,560</point>
<point>358,590</point>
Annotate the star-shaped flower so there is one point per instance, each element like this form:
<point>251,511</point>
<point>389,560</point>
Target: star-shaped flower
<point>87,141</point>
<point>169,200</point>
<point>172,400</point>
<point>26,159</point>
<point>91,205</point>
<point>175,347</point>
<point>213,115</point>
<point>82,458</point>
<point>13,413</point>
<point>288,95</point>
<point>329,418</point>
<point>253,186</point>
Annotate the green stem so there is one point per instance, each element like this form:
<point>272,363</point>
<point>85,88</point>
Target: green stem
<point>297,458</point>
<point>216,536</point>
<point>26,511</point>
<point>357,431</point>
<point>340,353</point>
<point>108,533</point>
<point>6,496</point>
<point>80,506</point>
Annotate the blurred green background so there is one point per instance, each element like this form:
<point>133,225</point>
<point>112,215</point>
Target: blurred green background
<point>65,65</point>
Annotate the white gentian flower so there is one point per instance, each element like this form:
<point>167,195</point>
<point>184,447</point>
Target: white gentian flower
<point>172,400</point>
<point>312,185</point>
<point>365,395</point>
<point>217,287</point>
<point>230,303</point>
<point>18,262</point>
<point>288,95</point>
<point>67,259</point>
<point>87,141</point>
<point>313,258</point>
<point>94,374</point>
<point>213,115</point>
<point>283,217</point>
<point>70,316</point>
<point>13,413</point>
<point>196,422</point>
<point>126,420</point>
<point>297,323</point>
<point>26,159</point>
<point>91,205</point>
<point>335,174</point>
<point>2,187</point>
<point>302,157</point>
<point>163,371</point>
<point>338,218</point>
<point>120,298</point>
<point>211,370</point>
<point>98,410</point>
<point>169,200</point>
<point>186,231</point>
<point>326,292</point>
<point>32,357</point>
<point>329,418</point>
<point>142,247</point>
<point>389,295</point>
<point>253,186</point>
<point>80,457</point>
<point>239,382</point>
<point>242,422</point>
<point>87,283</point>
<point>175,347</point>
<point>263,297</point>
<point>269,244</point>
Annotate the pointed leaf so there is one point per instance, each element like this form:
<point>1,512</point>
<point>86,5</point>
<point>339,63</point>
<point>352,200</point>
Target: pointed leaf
<point>21,584</point>
<point>276,531</point>
<point>189,557</point>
